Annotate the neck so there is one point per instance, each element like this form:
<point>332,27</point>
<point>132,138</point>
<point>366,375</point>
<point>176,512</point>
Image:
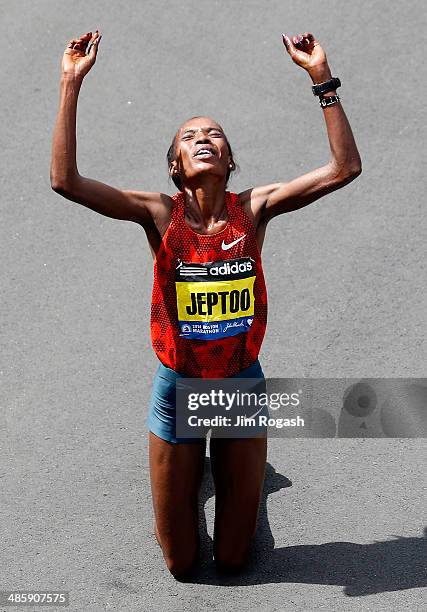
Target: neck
<point>205,203</point>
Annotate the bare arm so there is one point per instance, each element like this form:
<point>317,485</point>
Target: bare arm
<point>137,206</point>
<point>344,166</point>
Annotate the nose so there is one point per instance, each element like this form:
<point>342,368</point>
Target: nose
<point>202,137</point>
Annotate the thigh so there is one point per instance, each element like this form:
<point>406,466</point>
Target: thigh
<point>176,472</point>
<point>238,469</point>
<point>162,411</point>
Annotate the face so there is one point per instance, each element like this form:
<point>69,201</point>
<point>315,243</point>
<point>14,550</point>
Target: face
<point>200,149</point>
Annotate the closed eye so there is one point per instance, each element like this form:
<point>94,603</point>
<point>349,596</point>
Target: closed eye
<point>214,133</point>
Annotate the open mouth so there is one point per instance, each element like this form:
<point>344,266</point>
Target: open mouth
<point>204,153</point>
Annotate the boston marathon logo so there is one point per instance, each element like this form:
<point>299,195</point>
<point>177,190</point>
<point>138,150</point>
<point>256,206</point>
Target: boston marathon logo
<point>215,299</point>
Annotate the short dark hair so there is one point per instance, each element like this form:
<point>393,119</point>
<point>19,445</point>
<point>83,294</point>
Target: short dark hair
<point>171,156</point>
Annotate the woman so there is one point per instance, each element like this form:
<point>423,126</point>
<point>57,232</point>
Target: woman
<point>196,330</point>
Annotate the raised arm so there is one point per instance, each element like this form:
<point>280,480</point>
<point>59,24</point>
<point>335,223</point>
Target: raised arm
<point>345,164</point>
<point>137,206</point>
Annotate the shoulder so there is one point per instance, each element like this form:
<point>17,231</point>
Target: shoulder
<point>153,199</point>
<point>155,202</point>
<point>253,201</point>
<point>256,197</point>
<point>157,206</point>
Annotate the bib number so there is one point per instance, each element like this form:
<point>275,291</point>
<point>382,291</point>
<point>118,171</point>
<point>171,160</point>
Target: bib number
<point>215,299</point>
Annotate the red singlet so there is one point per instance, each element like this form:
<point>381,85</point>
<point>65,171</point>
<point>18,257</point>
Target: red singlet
<point>209,301</point>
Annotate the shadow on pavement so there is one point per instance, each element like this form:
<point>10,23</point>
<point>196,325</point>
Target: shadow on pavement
<point>362,569</point>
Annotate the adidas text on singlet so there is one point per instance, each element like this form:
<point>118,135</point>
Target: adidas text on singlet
<point>209,300</point>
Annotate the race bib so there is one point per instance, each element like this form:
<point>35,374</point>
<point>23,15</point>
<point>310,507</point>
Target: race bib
<point>215,299</point>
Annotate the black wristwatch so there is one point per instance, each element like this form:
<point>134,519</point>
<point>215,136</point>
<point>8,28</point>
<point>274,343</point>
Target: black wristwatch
<point>330,85</point>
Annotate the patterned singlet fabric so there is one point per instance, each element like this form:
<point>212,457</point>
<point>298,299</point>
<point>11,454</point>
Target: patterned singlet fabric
<point>209,300</point>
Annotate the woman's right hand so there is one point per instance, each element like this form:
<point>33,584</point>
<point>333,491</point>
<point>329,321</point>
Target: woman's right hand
<point>75,62</point>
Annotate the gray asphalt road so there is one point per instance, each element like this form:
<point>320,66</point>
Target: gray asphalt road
<point>341,525</point>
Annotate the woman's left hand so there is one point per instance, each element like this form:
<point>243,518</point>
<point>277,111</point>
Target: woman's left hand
<point>305,50</point>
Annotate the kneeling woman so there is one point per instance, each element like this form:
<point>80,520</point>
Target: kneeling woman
<point>209,304</point>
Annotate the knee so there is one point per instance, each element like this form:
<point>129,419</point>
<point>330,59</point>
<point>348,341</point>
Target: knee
<point>180,566</point>
<point>230,568</point>
<point>231,561</point>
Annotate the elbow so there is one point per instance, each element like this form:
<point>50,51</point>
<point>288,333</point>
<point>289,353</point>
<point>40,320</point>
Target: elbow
<point>63,182</point>
<point>356,170</point>
<point>346,172</point>
<point>60,190</point>
<point>60,186</point>
<point>349,174</point>
<point>353,174</point>
<point>55,183</point>
<point>57,187</point>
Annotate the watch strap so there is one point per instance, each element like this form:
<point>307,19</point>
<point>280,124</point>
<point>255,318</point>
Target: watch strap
<point>328,100</point>
<point>330,85</point>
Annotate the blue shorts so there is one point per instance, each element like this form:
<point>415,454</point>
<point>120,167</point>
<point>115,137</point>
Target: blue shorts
<point>161,419</point>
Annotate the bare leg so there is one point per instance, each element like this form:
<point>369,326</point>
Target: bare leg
<point>238,468</point>
<point>176,472</point>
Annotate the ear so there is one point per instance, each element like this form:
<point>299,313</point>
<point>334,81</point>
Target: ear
<point>231,163</point>
<point>173,168</point>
